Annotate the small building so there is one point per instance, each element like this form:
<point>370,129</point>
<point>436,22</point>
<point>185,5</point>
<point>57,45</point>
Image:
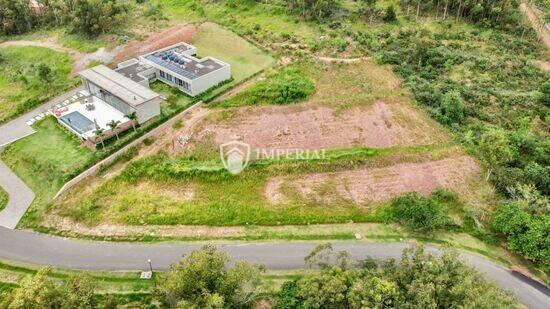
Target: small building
<point>178,66</point>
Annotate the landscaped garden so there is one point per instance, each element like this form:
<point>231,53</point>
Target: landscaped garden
<point>46,160</point>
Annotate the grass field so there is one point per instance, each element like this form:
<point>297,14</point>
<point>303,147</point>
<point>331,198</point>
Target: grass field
<point>46,159</point>
<point>21,87</point>
<point>245,59</point>
<point>166,191</point>
<point>3,198</point>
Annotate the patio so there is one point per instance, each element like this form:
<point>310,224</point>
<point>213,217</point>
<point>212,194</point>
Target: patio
<point>85,114</point>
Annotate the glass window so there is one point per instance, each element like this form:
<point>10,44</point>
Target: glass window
<point>162,74</point>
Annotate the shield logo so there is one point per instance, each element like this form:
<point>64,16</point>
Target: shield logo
<point>235,156</point>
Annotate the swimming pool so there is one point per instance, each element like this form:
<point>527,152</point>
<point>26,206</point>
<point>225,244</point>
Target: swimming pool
<point>77,122</point>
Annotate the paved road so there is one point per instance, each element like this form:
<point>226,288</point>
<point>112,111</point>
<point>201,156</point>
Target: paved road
<point>20,197</point>
<point>29,247</point>
<point>18,127</point>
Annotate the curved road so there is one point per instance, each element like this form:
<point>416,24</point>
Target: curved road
<point>29,247</point>
<point>40,249</point>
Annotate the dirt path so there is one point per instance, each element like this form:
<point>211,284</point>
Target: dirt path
<point>80,60</point>
<point>344,60</point>
<point>536,23</point>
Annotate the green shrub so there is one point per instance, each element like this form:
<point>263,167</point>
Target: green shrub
<point>419,212</point>
<point>526,233</point>
<point>286,86</point>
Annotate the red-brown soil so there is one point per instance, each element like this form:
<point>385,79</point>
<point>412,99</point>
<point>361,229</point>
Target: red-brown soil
<point>378,184</point>
<point>156,41</point>
<point>311,126</point>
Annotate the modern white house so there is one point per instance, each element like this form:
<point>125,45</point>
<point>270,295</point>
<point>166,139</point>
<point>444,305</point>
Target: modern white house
<point>123,97</point>
<point>178,66</point>
<point>109,98</point>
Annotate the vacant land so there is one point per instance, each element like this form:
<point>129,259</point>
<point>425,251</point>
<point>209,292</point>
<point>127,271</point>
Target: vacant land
<point>46,159</point>
<point>29,76</point>
<point>374,185</point>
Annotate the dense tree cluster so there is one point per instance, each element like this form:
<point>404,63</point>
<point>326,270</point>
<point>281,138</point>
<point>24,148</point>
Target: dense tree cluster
<point>419,280</point>
<point>313,9</point>
<point>90,17</point>
<point>491,12</point>
<point>207,278</point>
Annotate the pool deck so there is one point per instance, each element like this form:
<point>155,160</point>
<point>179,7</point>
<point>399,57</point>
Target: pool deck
<point>101,114</point>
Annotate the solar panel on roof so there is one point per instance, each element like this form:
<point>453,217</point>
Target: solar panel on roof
<point>171,67</point>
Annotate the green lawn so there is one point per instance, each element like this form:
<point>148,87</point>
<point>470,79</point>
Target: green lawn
<point>46,159</point>
<point>21,87</point>
<point>3,198</point>
<point>245,59</point>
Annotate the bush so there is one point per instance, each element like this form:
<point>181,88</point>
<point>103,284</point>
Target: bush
<point>283,87</point>
<point>527,234</point>
<point>419,212</point>
<point>389,14</point>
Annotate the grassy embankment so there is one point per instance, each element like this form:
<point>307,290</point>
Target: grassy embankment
<point>47,159</point>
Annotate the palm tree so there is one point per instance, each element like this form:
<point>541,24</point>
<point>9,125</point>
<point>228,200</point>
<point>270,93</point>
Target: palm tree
<point>113,125</point>
<point>132,116</point>
<point>99,134</point>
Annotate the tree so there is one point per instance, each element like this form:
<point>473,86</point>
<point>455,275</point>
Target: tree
<point>419,280</point>
<point>452,109</point>
<point>15,17</point>
<point>98,132</point>
<point>94,17</point>
<point>39,292</point>
<point>313,9</point>
<point>389,14</point>
<point>204,279</point>
<point>132,116</point>
<point>495,149</point>
<point>113,124</point>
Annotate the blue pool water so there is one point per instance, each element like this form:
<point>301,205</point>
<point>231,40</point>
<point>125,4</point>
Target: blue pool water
<point>78,122</point>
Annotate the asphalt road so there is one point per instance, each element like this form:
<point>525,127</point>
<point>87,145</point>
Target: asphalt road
<point>29,247</point>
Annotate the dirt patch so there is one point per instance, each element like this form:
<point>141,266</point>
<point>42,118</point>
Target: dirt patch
<point>156,41</point>
<point>543,65</point>
<point>64,224</point>
<point>311,126</point>
<point>379,184</point>
<point>177,139</point>
<point>80,60</point>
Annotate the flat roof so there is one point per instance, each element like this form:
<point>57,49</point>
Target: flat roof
<point>176,60</point>
<point>133,70</point>
<point>119,85</point>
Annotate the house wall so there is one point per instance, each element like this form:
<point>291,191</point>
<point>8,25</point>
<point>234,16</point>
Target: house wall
<point>210,80</point>
<point>148,110</point>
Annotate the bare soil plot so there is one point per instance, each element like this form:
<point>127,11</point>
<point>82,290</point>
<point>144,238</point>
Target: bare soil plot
<point>376,184</point>
<point>311,126</point>
<point>158,40</point>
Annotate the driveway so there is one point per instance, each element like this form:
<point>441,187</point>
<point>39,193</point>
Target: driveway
<point>29,247</point>
<point>20,196</point>
<point>18,128</point>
